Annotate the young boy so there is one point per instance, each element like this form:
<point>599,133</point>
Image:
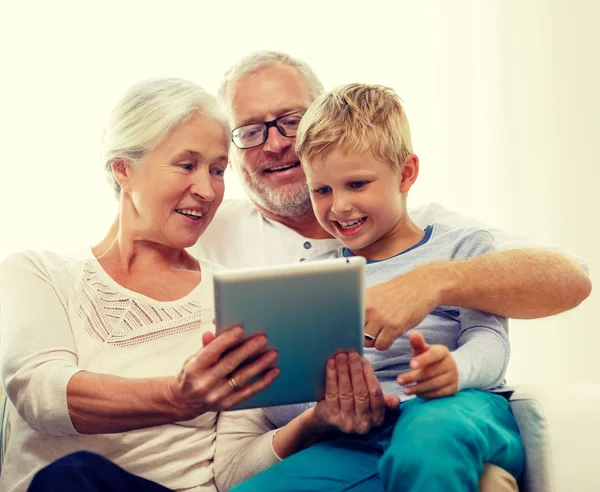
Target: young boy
<point>356,151</point>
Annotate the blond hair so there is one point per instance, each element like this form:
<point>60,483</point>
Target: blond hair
<point>357,118</point>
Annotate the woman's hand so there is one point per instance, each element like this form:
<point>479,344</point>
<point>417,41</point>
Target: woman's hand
<point>354,401</point>
<point>218,376</point>
<point>434,373</point>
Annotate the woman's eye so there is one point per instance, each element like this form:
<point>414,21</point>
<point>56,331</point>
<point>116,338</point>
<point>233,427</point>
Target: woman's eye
<point>357,184</point>
<point>218,171</point>
<point>188,166</point>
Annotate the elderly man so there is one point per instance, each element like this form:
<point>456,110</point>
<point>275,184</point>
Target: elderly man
<point>266,94</point>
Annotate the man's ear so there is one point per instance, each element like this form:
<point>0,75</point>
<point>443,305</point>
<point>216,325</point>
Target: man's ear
<point>121,169</point>
<point>409,173</point>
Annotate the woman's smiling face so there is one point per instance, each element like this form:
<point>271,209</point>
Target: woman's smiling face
<point>175,189</point>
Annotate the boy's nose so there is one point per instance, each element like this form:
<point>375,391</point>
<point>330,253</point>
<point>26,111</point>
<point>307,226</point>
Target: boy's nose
<point>341,205</point>
<point>276,142</point>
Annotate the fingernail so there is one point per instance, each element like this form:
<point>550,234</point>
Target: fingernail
<point>237,332</point>
<point>407,391</point>
<point>414,364</point>
<point>400,380</point>
<point>331,364</point>
<point>260,341</point>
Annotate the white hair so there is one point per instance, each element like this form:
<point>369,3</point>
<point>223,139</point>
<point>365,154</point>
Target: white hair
<point>147,112</point>
<point>260,59</point>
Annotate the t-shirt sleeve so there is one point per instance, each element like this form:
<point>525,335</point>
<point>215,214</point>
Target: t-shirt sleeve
<point>37,350</point>
<point>434,212</point>
<point>483,348</point>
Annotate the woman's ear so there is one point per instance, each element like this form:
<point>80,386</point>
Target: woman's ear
<point>121,169</point>
<point>409,173</point>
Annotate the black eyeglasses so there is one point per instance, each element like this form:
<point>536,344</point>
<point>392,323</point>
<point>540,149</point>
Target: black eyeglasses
<point>255,134</point>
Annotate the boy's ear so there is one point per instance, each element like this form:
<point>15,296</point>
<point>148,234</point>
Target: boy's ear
<point>409,173</point>
<point>121,169</point>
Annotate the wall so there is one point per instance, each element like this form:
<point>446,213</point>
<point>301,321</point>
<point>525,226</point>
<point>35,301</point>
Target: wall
<point>502,97</point>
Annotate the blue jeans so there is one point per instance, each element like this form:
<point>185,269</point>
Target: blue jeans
<point>88,472</point>
<point>428,445</point>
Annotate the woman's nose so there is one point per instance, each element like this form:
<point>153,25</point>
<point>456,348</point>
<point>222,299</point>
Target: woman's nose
<point>203,189</point>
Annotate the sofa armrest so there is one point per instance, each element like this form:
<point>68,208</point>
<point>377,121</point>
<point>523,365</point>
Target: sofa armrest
<point>561,433</point>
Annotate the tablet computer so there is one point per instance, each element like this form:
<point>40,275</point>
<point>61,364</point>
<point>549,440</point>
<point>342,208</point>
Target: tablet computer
<point>308,311</point>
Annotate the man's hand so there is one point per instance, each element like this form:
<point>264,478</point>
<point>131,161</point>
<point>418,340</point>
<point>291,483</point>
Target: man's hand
<point>354,401</point>
<point>434,370</point>
<point>394,307</point>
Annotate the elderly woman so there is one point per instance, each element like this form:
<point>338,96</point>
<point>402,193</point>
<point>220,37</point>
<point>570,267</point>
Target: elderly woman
<point>101,353</point>
<point>98,353</point>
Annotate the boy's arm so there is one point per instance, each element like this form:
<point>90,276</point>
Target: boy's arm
<point>483,350</point>
<point>479,362</point>
<point>481,357</point>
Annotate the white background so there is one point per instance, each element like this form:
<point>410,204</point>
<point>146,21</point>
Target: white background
<point>503,99</point>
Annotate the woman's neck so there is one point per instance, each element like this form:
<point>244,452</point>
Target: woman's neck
<point>127,249</point>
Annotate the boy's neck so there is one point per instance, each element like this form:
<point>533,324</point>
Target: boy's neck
<point>403,236</point>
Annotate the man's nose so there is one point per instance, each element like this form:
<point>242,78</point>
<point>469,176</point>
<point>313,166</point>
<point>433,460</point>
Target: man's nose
<point>276,142</point>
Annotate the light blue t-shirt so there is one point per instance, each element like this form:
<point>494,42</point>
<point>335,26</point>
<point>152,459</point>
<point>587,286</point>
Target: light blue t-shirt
<point>478,341</point>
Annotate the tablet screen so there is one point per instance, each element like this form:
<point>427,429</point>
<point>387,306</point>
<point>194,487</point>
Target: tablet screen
<point>308,311</point>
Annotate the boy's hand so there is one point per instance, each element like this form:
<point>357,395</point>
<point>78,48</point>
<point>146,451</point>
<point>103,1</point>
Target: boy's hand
<point>434,370</point>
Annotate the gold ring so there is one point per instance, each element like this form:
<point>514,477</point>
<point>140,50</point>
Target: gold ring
<point>233,383</point>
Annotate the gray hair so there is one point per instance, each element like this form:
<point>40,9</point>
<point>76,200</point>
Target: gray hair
<point>147,112</point>
<point>260,59</point>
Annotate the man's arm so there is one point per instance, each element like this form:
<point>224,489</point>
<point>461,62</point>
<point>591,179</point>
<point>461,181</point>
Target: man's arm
<point>517,283</point>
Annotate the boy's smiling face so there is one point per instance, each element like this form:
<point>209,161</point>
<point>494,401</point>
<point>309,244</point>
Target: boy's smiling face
<point>360,200</point>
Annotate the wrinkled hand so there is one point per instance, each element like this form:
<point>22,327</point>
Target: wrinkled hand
<point>205,382</point>
<point>433,370</point>
<point>396,306</point>
<point>354,402</point>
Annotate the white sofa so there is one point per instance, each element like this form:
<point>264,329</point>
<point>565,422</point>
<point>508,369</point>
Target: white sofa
<point>560,426</point>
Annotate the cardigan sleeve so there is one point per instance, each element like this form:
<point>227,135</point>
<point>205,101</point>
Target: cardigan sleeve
<point>37,349</point>
<point>243,448</point>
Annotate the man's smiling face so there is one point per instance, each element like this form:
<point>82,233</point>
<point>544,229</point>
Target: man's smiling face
<point>271,172</point>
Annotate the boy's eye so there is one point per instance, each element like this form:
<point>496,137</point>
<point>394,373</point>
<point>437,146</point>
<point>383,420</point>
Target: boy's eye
<point>322,191</point>
<point>357,184</point>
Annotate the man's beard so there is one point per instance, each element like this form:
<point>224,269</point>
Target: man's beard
<point>288,201</point>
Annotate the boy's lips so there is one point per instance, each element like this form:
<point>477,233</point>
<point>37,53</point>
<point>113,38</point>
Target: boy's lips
<point>349,227</point>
